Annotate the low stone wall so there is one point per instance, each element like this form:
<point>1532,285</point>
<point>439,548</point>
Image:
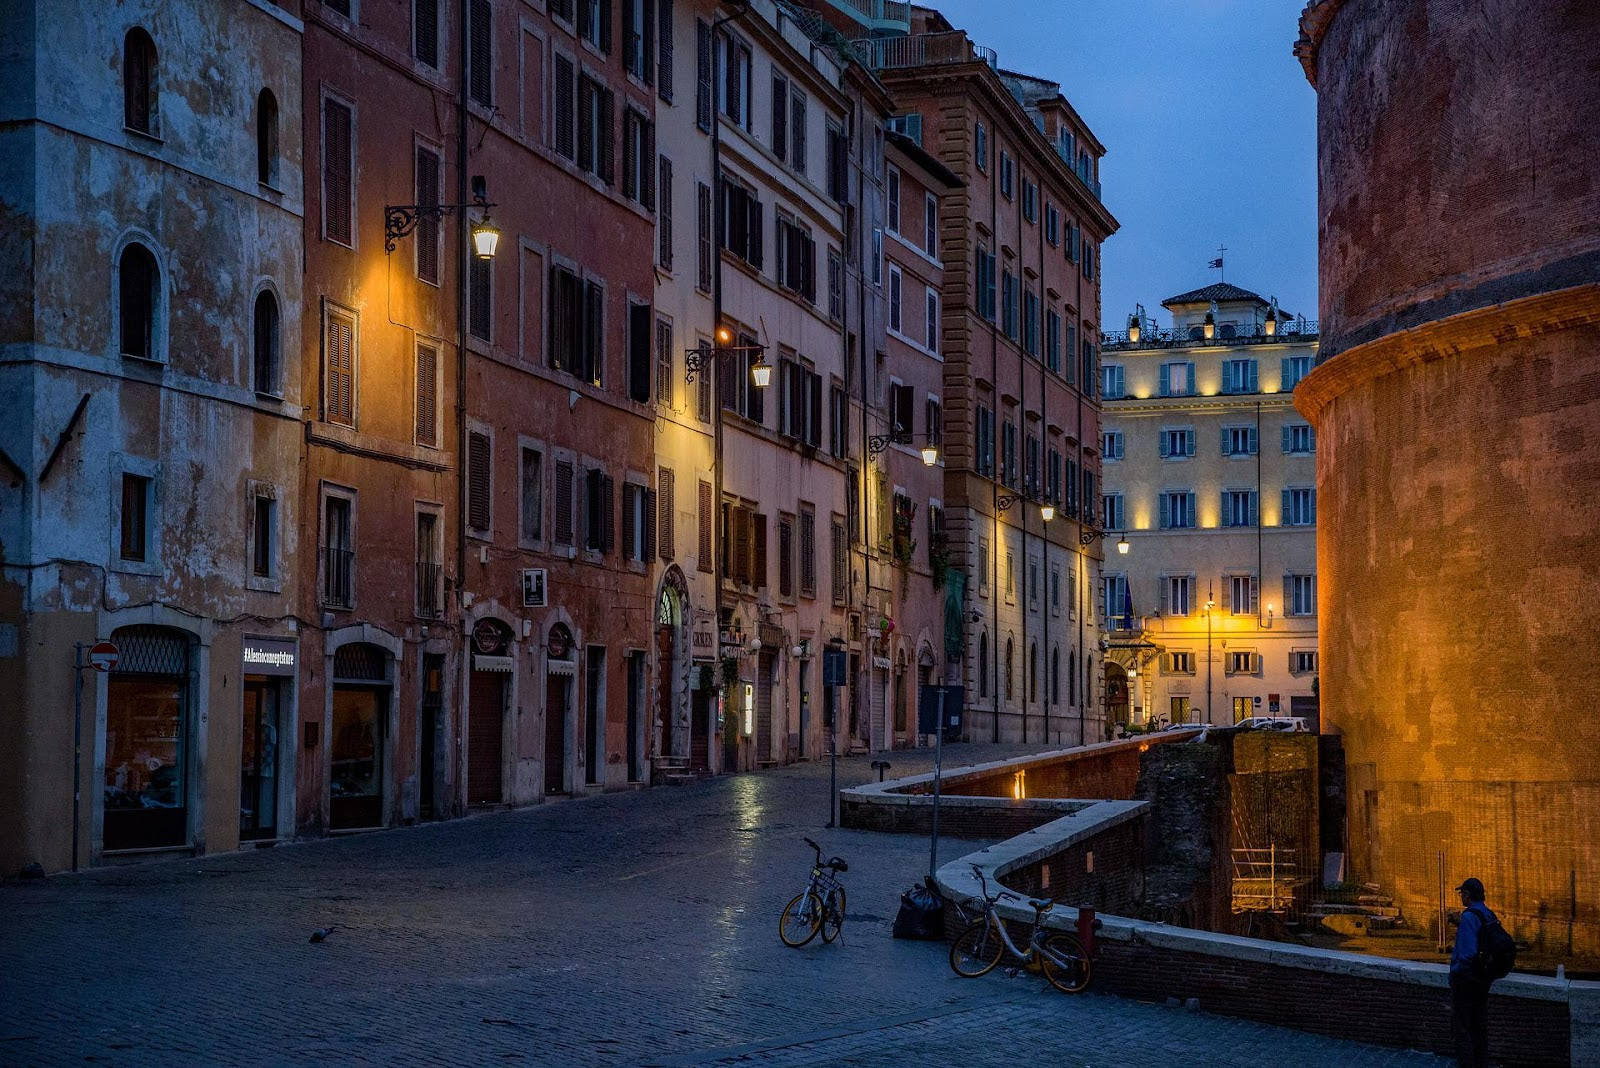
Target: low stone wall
<point>1533,1020</point>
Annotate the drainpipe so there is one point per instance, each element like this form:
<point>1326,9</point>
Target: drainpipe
<point>462,254</point>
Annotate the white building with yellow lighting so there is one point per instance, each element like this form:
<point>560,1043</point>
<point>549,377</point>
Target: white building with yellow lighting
<point>1210,472</point>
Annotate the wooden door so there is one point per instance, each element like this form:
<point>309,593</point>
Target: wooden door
<point>486,707</point>
<point>666,667</point>
<point>555,734</point>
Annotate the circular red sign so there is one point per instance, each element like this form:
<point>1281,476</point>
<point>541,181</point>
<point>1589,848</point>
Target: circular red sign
<point>560,642</point>
<point>103,656</point>
<point>488,637</point>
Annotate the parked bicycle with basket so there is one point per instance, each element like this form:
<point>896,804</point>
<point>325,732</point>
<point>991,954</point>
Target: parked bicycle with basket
<point>979,948</point>
<point>820,908</point>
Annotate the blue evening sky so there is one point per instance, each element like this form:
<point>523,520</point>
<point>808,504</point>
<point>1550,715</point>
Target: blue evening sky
<point>1210,133</point>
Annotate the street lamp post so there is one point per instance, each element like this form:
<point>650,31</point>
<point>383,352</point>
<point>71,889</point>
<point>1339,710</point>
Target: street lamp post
<point>1211,605</point>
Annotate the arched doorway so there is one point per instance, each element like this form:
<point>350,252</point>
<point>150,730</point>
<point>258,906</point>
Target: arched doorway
<point>672,737</point>
<point>1117,695</point>
<point>488,697</point>
<point>561,669</point>
<point>362,683</point>
<point>149,735</point>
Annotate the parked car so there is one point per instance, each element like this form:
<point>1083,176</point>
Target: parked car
<point>1274,723</point>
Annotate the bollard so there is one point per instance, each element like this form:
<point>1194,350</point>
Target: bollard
<point>1086,925</point>
<point>881,766</point>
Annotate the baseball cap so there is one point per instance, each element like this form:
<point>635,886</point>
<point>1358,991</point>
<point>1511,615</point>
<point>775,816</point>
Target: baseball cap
<point>1471,887</point>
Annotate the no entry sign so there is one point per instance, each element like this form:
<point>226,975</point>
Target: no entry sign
<point>103,656</point>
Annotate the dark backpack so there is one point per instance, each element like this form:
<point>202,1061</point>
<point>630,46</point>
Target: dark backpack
<point>1497,952</point>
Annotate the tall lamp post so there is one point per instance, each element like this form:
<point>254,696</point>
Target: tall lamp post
<point>1211,605</point>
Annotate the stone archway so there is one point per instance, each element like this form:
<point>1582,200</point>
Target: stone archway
<point>671,728</point>
<point>1117,696</point>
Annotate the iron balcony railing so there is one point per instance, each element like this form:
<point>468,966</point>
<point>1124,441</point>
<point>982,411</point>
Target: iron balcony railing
<point>876,11</point>
<point>1288,330</point>
<point>922,50</point>
<point>428,592</point>
<point>338,577</point>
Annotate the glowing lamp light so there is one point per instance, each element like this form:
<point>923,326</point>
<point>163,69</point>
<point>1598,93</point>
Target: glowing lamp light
<point>1271,325</point>
<point>1122,545</point>
<point>1047,512</point>
<point>1133,329</point>
<point>930,455</point>
<point>485,238</point>
<point>1019,786</point>
<point>761,374</point>
<point>724,336</point>
<point>1210,327</point>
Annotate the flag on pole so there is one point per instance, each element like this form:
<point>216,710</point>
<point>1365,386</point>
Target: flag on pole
<point>1215,264</point>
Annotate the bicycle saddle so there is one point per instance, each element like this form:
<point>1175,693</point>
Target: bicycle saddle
<point>1041,906</point>
<point>838,864</point>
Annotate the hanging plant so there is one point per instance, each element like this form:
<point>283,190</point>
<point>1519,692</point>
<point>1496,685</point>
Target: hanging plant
<point>708,677</point>
<point>939,562</point>
<point>730,672</point>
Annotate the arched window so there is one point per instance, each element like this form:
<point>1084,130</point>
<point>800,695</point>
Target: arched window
<point>1033,672</point>
<point>267,138</point>
<point>1072,676</point>
<point>267,349</point>
<point>1010,659</point>
<point>983,664</point>
<point>139,81</point>
<point>138,293</point>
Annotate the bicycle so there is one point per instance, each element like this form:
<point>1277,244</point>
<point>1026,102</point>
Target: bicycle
<point>978,949</point>
<point>819,908</point>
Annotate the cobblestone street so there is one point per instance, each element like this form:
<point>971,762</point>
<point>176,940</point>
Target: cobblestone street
<point>632,929</point>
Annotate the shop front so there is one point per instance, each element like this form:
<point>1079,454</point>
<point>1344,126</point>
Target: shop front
<point>269,666</point>
<point>488,697</point>
<point>362,688</point>
<point>149,740</point>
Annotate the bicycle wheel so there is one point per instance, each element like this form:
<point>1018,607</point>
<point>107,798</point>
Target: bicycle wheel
<point>1070,976</point>
<point>976,950</point>
<point>800,920</point>
<point>833,915</point>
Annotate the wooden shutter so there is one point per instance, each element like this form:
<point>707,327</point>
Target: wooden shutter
<point>606,170</point>
<point>664,52</point>
<point>664,213</point>
<point>425,32</point>
<point>649,525</point>
<point>647,171</point>
<point>478,483</point>
<point>479,33</point>
<point>630,153</point>
<point>608,514</point>
<point>605,24</point>
<point>340,399</point>
<point>758,549</point>
<point>815,414</point>
<point>336,166</point>
<point>640,318</point>
<point>706,530</point>
<point>808,554</point>
<point>586,106</point>
<point>703,74</point>
<point>667,541</point>
<point>566,108</point>
<point>633,40</point>
<point>427,396</point>
<point>780,116</point>
<point>480,296</point>
<point>797,132</point>
<point>593,333</point>
<point>742,537</point>
<point>705,237</point>
<point>630,530</point>
<point>428,227</point>
<point>564,476</point>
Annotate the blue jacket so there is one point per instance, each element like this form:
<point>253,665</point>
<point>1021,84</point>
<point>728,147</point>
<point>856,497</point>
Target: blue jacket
<point>1473,920</point>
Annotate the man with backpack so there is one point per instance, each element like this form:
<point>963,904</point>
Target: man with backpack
<point>1483,953</point>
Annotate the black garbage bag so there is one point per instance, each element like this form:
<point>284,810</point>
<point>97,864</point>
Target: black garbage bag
<point>921,913</point>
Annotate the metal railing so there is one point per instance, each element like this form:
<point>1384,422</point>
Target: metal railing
<point>876,11</point>
<point>428,591</point>
<point>338,577</point>
<point>921,50</point>
<point>1288,330</point>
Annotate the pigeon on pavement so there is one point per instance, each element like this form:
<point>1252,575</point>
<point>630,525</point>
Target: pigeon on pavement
<point>321,933</point>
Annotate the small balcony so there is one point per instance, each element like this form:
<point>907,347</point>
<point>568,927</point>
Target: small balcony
<point>338,577</point>
<point>429,594</point>
<point>878,16</point>
<point>921,50</point>
<point>1289,331</point>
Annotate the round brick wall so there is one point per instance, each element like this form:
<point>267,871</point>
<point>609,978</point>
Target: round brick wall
<point>1457,407</point>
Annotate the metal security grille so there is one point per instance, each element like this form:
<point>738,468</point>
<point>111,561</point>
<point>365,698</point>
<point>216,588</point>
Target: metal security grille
<point>151,651</point>
<point>361,663</point>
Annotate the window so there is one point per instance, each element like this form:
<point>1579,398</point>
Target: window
<point>1239,441</point>
<point>985,441</point>
<point>338,553</point>
<point>931,311</point>
<point>577,325</point>
<point>808,551</point>
<point>838,163</point>
<point>599,521</point>
<point>664,362</point>
<point>664,214</point>
<point>1030,323</point>
<point>983,567</point>
<point>896,286</point>
<point>480,482</point>
<point>428,396</point>
<point>1009,305</point>
<point>1179,591</point>
<point>338,164</point>
<point>267,353</point>
<point>1112,380</point>
<point>1294,369</point>
<point>638,523</point>
<point>138,298</point>
<point>797,259</point>
<point>1177,510</point>
<point>1239,508</point>
<point>780,115</point>
<point>1299,506</point>
<point>1055,593</point>
<point>1052,225</point>
<point>801,404</point>
<point>785,556</point>
<point>1299,438</point>
<point>1090,360</point>
<point>1177,379</point>
<point>1302,661</point>
<point>263,534</point>
<point>1114,593</point>
<point>1010,659</point>
<point>1300,594</point>
<point>902,404</point>
<point>835,285</point>
<point>892,198</point>
<point>743,225</point>
<point>1180,663</point>
<point>703,74</point>
<point>1111,512</point>
<point>480,298</point>
<point>429,230</point>
<point>1241,662</point>
<point>1052,340</point>
<point>641,355</point>
<point>1053,477</point>
<point>638,159</point>
<point>1031,466</point>
<point>797,130</point>
<point>984,277</point>
<point>877,256</point>
<point>1111,444</point>
<point>425,31</point>
<point>139,96</point>
<point>930,225</point>
<point>983,662</point>
<point>739,394</point>
<point>134,539</point>
<point>1177,443</point>
<point>1069,240</point>
<point>907,126</point>
<point>1008,453</point>
<point>1007,176</point>
<point>1238,376</point>
<point>706,239</point>
<point>339,370</point>
<point>1088,259</point>
<point>638,38</point>
<point>980,146</point>
<point>1242,595</point>
<point>480,58</point>
<point>594,22</point>
<point>595,104</point>
<point>664,49</point>
<point>841,561</point>
<point>1011,577</point>
<point>267,138</point>
<point>1030,200</point>
<point>1243,708</point>
<point>733,79</point>
<point>530,528</point>
<point>704,529</point>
